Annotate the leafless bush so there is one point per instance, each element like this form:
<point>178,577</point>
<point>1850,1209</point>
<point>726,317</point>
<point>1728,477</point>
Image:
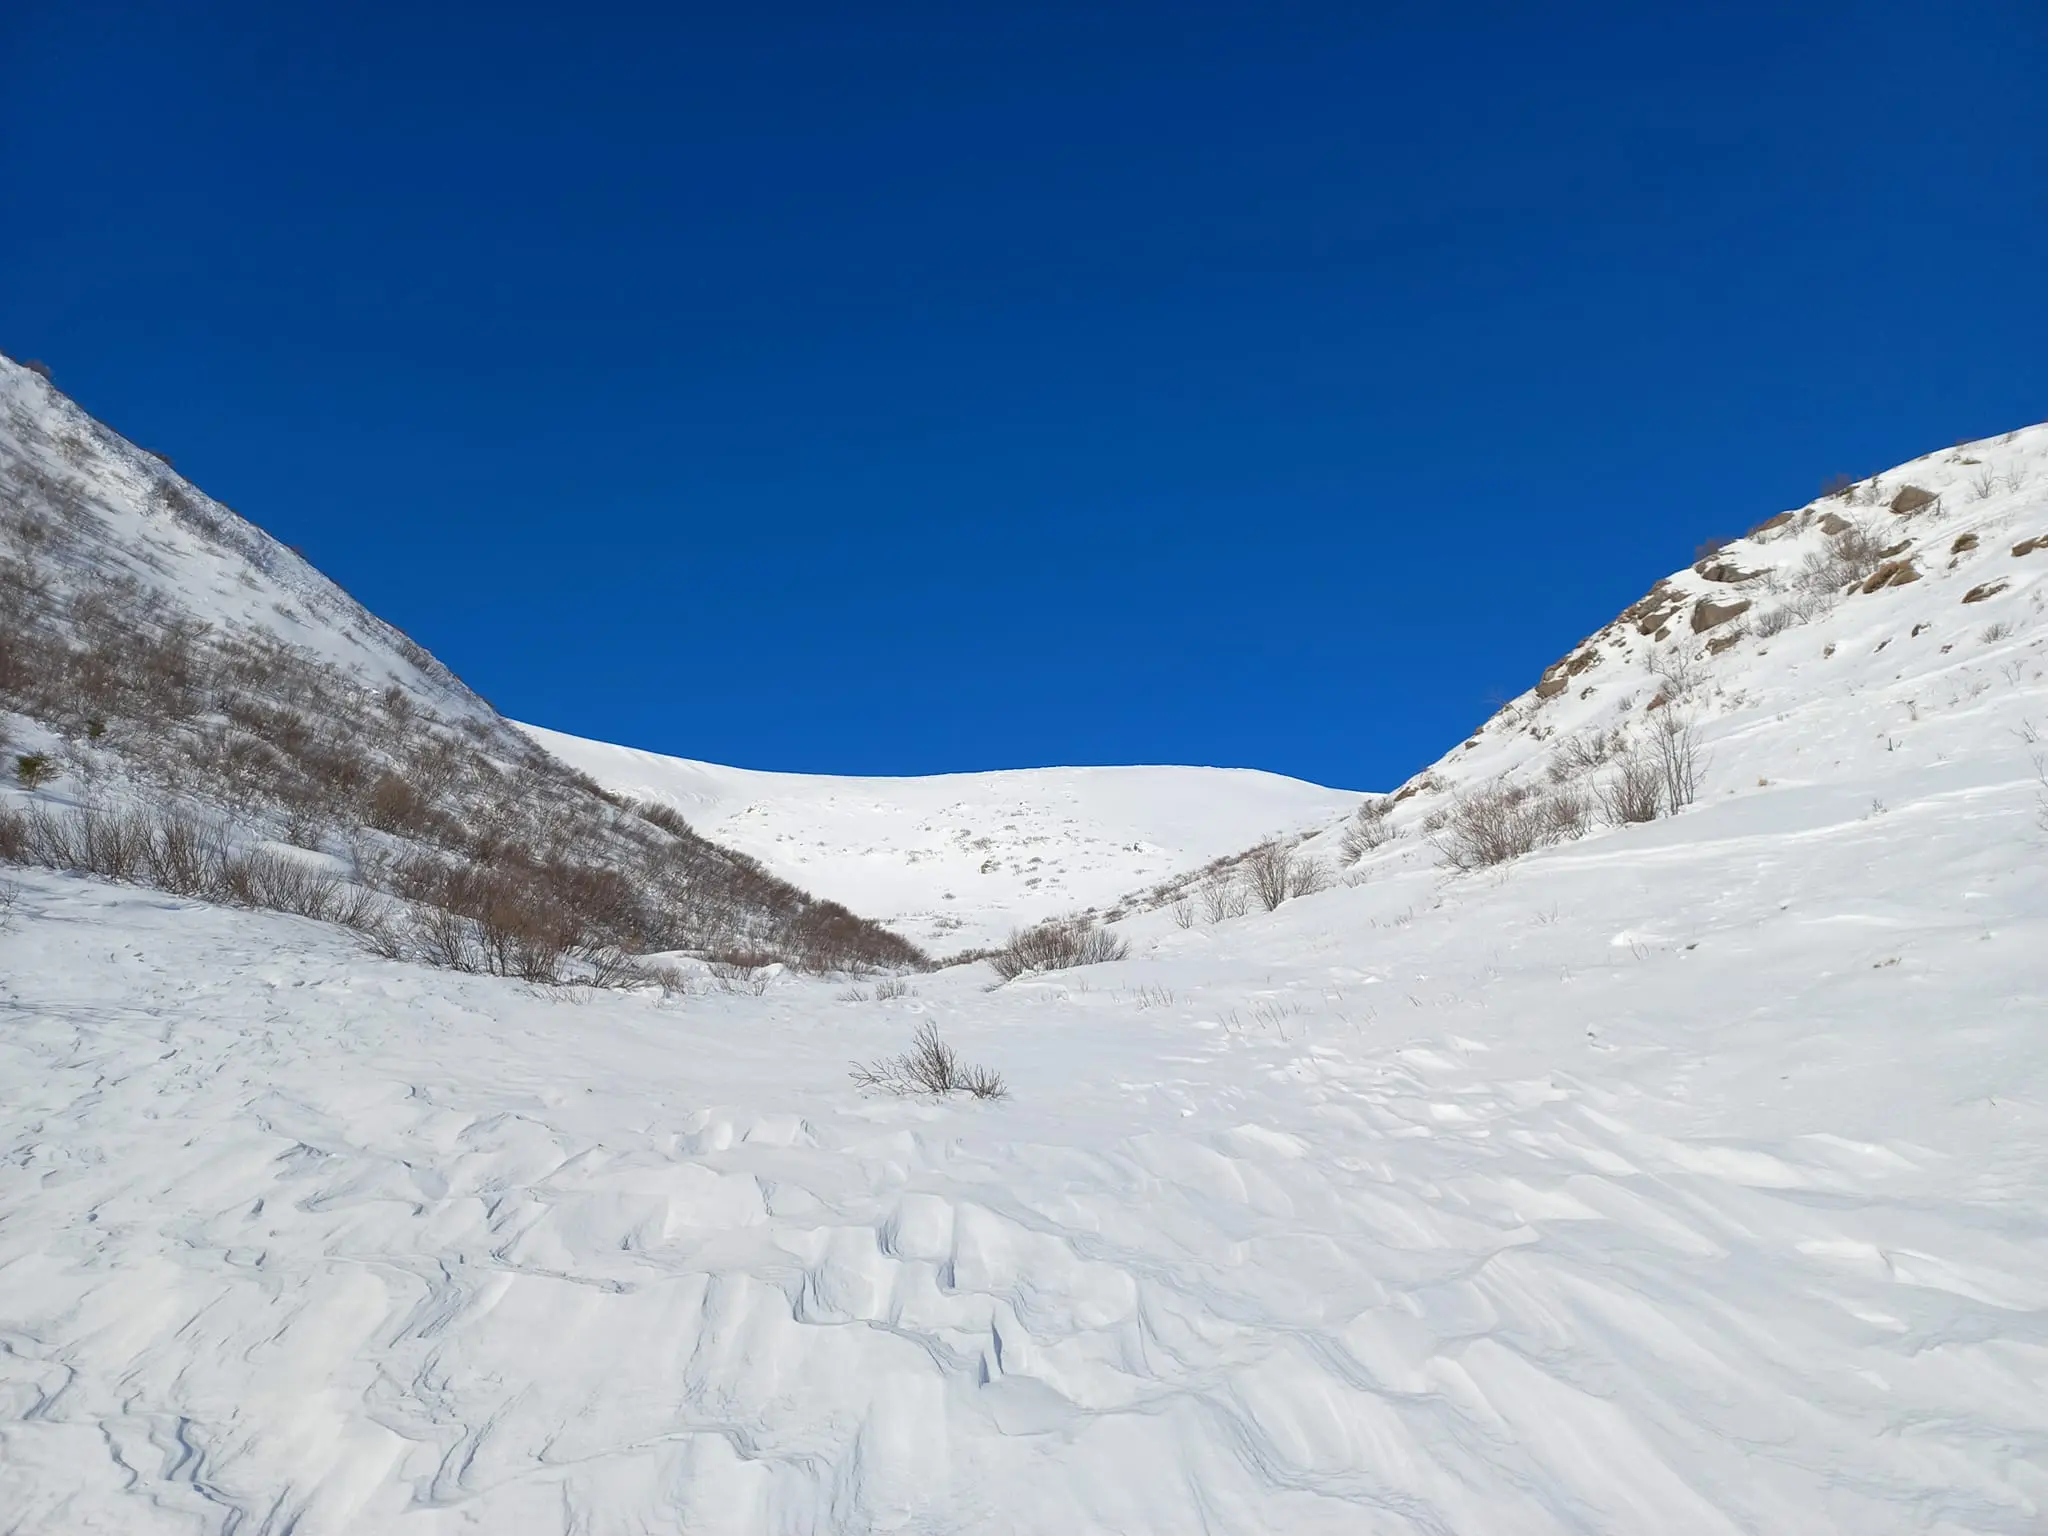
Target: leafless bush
<point>1579,755</point>
<point>1993,633</point>
<point>742,976</point>
<point>1499,822</point>
<point>371,918</point>
<point>1056,946</point>
<point>1562,815</point>
<point>1183,909</point>
<point>1776,620</point>
<point>930,1066</point>
<point>1681,671</point>
<point>1368,829</point>
<point>1633,791</point>
<point>1223,895</point>
<point>892,987</point>
<point>10,903</point>
<point>1269,871</point>
<point>1307,876</point>
<point>445,939</point>
<point>1675,748</point>
<point>1848,557</point>
<point>183,854</point>
<point>666,817</point>
<point>609,966</point>
<point>278,882</point>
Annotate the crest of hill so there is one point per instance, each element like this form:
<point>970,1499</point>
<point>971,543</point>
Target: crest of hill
<point>961,858</point>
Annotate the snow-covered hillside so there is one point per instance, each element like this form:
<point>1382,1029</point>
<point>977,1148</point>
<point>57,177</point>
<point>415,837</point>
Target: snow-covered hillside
<point>959,859</point>
<point>144,522</point>
<point>1686,1176</point>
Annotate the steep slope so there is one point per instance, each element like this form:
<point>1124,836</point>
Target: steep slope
<point>1842,642</point>
<point>190,705</point>
<point>1681,1176</point>
<point>959,859</point>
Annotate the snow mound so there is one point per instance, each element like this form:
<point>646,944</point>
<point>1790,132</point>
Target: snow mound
<point>957,860</point>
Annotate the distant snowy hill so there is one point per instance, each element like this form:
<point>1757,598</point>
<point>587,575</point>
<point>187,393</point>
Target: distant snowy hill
<point>959,859</point>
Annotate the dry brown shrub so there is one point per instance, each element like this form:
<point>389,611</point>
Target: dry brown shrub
<point>1056,946</point>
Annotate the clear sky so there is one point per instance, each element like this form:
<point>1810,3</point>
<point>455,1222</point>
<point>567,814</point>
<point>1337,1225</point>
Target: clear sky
<point>904,388</point>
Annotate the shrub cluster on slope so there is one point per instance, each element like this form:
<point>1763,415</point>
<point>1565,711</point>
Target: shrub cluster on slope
<point>194,755</point>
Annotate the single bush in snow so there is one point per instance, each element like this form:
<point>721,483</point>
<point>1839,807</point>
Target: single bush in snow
<point>1223,895</point>
<point>1633,791</point>
<point>1368,829</point>
<point>1056,946</point>
<point>32,770</point>
<point>929,1066</point>
<point>893,987</point>
<point>1849,557</point>
<point>1675,748</point>
<point>1269,870</point>
<point>10,903</point>
<point>1500,822</point>
<point>1775,621</point>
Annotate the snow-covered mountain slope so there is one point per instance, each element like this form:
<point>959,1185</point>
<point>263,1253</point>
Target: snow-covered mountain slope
<point>959,859</point>
<point>1853,639</point>
<point>1682,1177</point>
<point>141,520</point>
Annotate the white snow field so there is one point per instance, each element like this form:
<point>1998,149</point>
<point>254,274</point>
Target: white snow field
<point>1684,1177</point>
<point>959,859</point>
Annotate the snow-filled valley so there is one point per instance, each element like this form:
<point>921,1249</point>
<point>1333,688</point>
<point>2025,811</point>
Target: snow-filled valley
<point>1681,1176</point>
<point>957,860</point>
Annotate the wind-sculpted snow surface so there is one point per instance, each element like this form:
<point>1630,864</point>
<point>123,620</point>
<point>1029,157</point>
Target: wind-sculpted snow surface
<point>1689,1180</point>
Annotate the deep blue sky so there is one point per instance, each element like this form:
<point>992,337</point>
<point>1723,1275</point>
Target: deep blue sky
<point>905,388</point>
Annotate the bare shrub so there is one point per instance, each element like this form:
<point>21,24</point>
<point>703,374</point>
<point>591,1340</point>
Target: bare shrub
<point>1579,755</point>
<point>666,817</point>
<point>1058,945</point>
<point>278,882</point>
<point>892,987</point>
<point>1223,895</point>
<point>10,903</point>
<point>742,976</point>
<point>183,855</point>
<point>1776,620</point>
<point>1492,825</point>
<point>1675,748</point>
<point>446,940</point>
<point>1681,672</point>
<point>930,1066</point>
<point>1269,871</point>
<point>1368,829</point>
<point>1993,633</point>
<point>1633,791</point>
<point>371,918</point>
<point>1849,557</point>
<point>1183,909</point>
<point>1307,876</point>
